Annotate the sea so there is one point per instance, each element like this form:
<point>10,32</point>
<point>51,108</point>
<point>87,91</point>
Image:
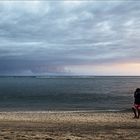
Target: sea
<point>67,93</point>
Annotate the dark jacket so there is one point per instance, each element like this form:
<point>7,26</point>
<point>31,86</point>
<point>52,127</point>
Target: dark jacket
<point>137,97</point>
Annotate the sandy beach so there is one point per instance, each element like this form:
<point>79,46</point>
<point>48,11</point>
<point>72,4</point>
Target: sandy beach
<point>68,126</point>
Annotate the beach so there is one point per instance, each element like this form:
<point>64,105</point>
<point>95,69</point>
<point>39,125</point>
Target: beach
<point>68,125</point>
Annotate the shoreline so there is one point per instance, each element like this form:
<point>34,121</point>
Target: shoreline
<point>66,110</point>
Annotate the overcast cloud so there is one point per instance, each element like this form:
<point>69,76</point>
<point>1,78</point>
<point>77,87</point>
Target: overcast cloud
<point>41,37</point>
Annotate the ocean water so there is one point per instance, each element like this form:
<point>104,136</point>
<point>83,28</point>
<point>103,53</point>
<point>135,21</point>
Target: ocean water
<point>67,93</point>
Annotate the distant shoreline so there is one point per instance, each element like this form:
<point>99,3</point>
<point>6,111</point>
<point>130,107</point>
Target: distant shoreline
<point>41,76</point>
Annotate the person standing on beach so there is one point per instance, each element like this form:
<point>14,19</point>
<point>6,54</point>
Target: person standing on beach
<point>136,107</point>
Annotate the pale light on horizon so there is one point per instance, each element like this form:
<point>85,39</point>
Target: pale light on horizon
<point>126,69</point>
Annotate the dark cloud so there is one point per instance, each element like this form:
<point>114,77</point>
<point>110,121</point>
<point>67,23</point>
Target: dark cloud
<point>40,37</point>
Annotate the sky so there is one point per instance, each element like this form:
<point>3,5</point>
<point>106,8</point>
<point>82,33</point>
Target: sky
<point>70,37</point>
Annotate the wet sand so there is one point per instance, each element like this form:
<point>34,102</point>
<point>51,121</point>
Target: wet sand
<point>68,126</point>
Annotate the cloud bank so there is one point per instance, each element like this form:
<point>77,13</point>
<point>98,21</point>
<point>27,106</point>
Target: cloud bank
<point>68,37</point>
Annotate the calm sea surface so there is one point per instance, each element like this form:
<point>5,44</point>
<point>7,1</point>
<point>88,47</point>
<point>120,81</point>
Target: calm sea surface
<point>67,93</point>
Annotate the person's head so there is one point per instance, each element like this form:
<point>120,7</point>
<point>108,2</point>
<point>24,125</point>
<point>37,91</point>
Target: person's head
<point>137,90</point>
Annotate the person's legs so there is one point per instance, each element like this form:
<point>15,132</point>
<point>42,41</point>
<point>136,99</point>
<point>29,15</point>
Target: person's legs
<point>135,113</point>
<point>138,111</point>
